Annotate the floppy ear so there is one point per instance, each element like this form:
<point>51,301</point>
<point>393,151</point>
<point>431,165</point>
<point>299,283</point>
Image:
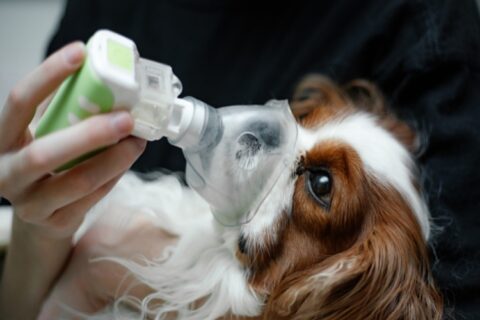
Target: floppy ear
<point>385,276</point>
<point>314,91</point>
<point>366,96</point>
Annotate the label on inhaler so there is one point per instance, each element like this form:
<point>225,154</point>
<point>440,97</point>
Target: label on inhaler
<point>119,55</point>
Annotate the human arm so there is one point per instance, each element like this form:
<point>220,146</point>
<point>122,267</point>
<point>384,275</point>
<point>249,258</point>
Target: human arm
<point>49,208</point>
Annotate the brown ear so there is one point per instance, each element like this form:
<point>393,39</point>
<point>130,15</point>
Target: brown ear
<point>386,276</point>
<point>367,96</point>
<point>315,91</point>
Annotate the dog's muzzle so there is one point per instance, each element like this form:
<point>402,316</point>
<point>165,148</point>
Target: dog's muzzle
<point>243,153</point>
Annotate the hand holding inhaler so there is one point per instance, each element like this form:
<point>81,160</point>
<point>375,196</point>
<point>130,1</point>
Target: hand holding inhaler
<point>38,197</point>
<point>49,208</point>
<point>234,154</point>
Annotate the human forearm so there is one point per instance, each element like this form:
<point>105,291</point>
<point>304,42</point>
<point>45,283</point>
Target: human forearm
<point>32,264</point>
<point>49,208</point>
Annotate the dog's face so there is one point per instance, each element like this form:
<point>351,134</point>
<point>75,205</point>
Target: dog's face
<point>343,233</point>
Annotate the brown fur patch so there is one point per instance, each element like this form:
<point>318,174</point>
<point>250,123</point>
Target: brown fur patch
<point>384,274</point>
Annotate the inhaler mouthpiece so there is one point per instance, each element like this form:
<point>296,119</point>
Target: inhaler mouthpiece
<point>160,113</point>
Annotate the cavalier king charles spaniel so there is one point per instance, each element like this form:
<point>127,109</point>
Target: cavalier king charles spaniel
<point>342,235</point>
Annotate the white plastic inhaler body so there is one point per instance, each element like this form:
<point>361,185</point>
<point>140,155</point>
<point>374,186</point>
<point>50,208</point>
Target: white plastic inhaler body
<point>234,154</point>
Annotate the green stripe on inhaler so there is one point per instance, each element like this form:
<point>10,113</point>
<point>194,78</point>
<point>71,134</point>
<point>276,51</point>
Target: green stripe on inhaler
<point>85,93</point>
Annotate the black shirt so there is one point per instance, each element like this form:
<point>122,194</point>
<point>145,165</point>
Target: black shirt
<point>424,55</point>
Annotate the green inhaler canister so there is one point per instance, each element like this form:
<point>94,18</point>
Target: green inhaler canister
<point>114,76</point>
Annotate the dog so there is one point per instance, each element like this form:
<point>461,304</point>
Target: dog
<point>343,234</point>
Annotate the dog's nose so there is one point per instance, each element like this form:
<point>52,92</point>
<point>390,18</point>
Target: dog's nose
<point>242,244</point>
<point>267,132</point>
<point>259,138</point>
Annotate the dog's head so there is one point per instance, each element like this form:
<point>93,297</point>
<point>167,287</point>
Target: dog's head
<point>343,234</point>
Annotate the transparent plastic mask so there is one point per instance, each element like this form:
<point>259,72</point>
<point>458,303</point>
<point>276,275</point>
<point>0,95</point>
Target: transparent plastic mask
<point>242,153</point>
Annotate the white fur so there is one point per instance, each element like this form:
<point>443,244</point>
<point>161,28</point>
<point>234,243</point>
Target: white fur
<point>382,156</point>
<point>201,266</point>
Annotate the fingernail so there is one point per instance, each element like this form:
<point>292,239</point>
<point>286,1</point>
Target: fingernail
<point>141,143</point>
<point>74,53</point>
<point>122,122</point>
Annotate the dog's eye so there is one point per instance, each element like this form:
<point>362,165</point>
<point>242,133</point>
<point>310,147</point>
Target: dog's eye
<point>320,185</point>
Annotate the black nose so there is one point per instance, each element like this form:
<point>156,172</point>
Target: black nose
<point>268,133</point>
<point>242,244</point>
<point>249,145</point>
<point>259,135</point>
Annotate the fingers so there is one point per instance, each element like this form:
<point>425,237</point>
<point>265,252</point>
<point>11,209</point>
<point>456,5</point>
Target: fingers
<point>48,153</point>
<point>34,88</point>
<point>69,187</point>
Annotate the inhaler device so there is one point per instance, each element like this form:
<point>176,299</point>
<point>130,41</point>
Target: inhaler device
<point>114,76</point>
<point>234,154</point>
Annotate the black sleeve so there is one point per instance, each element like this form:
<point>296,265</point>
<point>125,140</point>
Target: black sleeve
<point>437,83</point>
<point>82,18</point>
<point>444,100</point>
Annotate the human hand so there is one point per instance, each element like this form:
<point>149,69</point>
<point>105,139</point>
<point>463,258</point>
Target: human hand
<point>50,207</point>
<point>55,205</point>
